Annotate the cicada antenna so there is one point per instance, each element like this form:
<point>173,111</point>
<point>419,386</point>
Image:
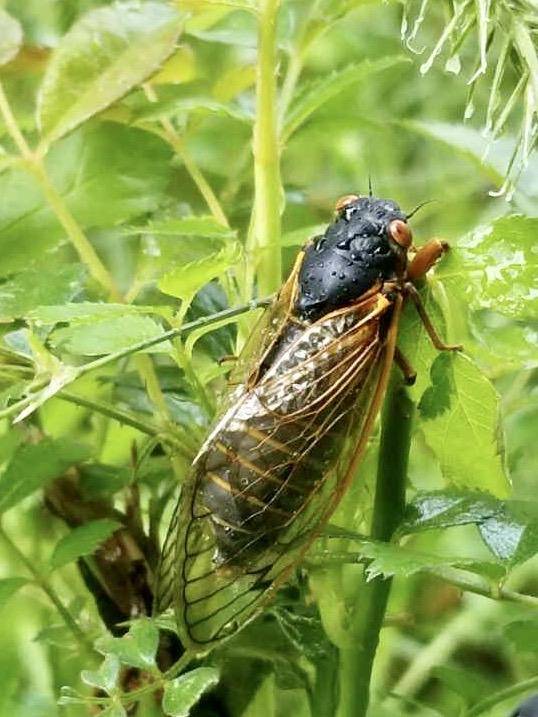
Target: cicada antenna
<point>419,206</point>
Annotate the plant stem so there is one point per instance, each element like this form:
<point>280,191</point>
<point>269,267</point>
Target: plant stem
<point>42,582</point>
<point>367,619</point>
<point>12,126</point>
<point>263,244</point>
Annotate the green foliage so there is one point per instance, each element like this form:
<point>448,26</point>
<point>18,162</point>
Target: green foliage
<point>181,694</point>
<point>157,167</point>
<point>83,540</point>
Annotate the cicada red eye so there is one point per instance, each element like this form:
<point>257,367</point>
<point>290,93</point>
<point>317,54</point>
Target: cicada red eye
<point>345,201</point>
<point>401,233</point>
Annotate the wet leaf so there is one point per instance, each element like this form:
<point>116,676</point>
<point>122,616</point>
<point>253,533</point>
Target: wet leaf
<point>494,267</point>
<point>83,540</point>
<point>137,648</point>
<point>107,52</point>
<point>184,692</point>
<point>86,311</point>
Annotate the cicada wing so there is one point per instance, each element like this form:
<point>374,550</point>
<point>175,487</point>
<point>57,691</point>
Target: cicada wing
<point>218,592</point>
<point>266,331</point>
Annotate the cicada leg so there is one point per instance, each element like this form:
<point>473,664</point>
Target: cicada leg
<point>436,340</point>
<point>425,258</point>
<point>422,262</point>
<point>409,373</point>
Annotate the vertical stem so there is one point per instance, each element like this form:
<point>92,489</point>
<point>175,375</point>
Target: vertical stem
<point>265,235</point>
<point>356,662</point>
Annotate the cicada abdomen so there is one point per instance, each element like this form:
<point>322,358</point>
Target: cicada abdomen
<point>281,453</point>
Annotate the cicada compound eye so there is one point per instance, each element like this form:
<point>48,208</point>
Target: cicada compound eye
<point>401,233</point>
<point>345,201</point>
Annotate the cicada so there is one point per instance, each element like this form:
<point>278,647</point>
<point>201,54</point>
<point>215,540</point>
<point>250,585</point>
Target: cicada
<point>290,435</point>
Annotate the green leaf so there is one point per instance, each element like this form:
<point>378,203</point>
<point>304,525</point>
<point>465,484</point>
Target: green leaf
<point>494,267</point>
<point>389,560</point>
<point>201,226</point>
<point>170,108</point>
<point>114,711</point>
<point>37,286</point>
<point>105,173</point>
<point>509,528</point>
<point>523,634</point>
<point>137,648</point>
<point>184,281</point>
<point>184,692</point>
<point>108,336</point>
<point>446,508</point>
<point>34,465</point>
<point>461,425</point>
<point>83,540</point>
<point>8,588</point>
<point>10,37</point>
<point>106,53</point>
<point>324,89</point>
<point>87,311</point>
<point>106,677</point>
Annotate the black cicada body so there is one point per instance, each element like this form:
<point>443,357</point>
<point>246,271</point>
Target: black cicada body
<point>283,450</point>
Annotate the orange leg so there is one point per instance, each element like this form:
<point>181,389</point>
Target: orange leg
<point>436,340</point>
<point>425,258</point>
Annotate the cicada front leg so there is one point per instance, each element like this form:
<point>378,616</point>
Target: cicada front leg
<point>423,261</point>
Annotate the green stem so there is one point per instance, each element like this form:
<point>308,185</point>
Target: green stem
<point>497,697</point>
<point>263,246</point>
<point>366,622</point>
<point>78,239</point>
<point>41,581</point>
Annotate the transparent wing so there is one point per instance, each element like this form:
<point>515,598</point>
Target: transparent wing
<point>272,470</point>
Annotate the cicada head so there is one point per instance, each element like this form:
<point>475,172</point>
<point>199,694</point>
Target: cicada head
<point>367,242</point>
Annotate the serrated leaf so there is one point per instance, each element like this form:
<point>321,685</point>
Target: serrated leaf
<point>198,226</point>
<point>494,267</point>
<point>461,426</point>
<point>108,336</point>
<point>185,105</point>
<point>184,281</point>
<point>106,53</point>
<point>184,692</point>
<point>35,286</point>
<point>322,90</point>
<point>10,37</point>
<point>83,540</point>
<point>390,560</point>
<point>33,466</point>
<point>86,311</point>
<point>137,648</point>
<point>106,677</point>
<point>8,588</point>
